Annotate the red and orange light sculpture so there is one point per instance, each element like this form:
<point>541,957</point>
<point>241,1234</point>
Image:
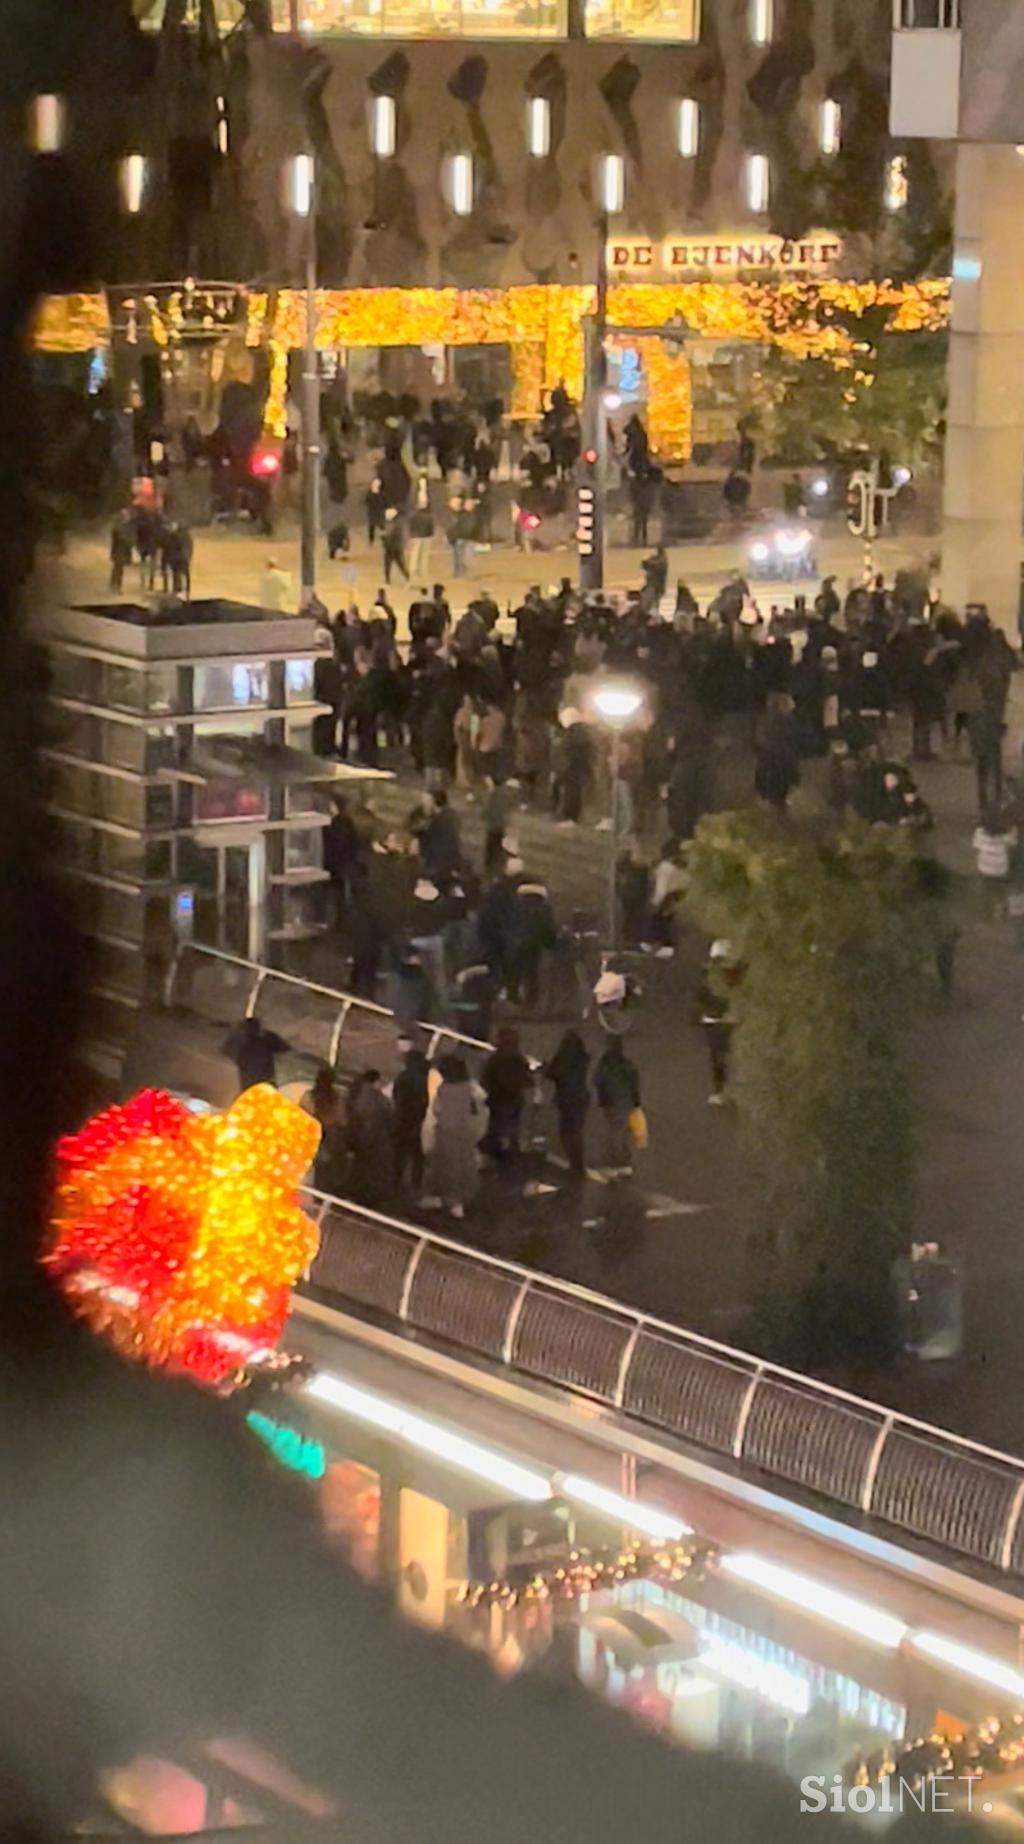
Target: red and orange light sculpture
<point>179,1235</point>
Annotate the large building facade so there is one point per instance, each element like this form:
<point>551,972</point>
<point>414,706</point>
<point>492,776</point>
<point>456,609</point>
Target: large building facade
<point>461,145</point>
<point>478,160</point>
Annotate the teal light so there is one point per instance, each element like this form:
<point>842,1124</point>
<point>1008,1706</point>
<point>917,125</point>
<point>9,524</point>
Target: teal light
<point>289,1447</point>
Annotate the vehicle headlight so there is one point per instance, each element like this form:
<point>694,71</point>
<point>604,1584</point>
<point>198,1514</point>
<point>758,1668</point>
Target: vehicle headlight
<point>790,543</point>
<point>819,486</point>
<point>760,551</point>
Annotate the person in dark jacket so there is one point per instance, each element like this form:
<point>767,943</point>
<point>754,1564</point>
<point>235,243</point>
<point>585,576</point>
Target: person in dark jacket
<point>409,1096</point>
<point>254,1051</point>
<point>776,763</point>
<point>617,1089</point>
<point>371,1142</point>
<point>324,1100</point>
<point>341,854</point>
<point>532,934</point>
<point>122,547</point>
<point>440,843</point>
<point>567,1073</point>
<point>506,1080</point>
<point>719,980</point>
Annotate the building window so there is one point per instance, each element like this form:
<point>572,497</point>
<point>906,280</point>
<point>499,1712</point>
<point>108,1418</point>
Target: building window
<point>611,183</point>
<point>395,18</point>
<point>460,184</point>
<point>689,127</point>
<point>538,127</point>
<point>758,182</point>
<point>761,21</point>
<point>47,118</point>
<point>831,126</point>
<point>435,18</point>
<point>927,15</point>
<point>674,21</point>
<point>383,126</point>
<point>896,190</point>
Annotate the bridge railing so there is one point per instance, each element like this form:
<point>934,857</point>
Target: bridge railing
<point>317,1021</point>
<point>871,1461</point>
<point>933,1485</point>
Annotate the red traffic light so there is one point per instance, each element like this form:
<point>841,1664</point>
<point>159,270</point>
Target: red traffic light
<point>590,456</point>
<point>264,464</point>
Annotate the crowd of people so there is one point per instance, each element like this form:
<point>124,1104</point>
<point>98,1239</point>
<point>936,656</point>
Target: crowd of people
<point>423,1136</point>
<point>461,938</point>
<point>478,704</point>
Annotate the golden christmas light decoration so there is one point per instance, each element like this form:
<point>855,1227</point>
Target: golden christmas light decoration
<point>590,1571</point>
<point>179,1236</point>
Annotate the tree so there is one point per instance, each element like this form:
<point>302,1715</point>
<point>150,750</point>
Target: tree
<point>833,927</point>
<point>889,398</point>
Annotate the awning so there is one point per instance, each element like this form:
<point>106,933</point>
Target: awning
<point>252,759</point>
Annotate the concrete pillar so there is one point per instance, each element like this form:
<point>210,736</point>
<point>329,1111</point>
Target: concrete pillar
<point>983,503</point>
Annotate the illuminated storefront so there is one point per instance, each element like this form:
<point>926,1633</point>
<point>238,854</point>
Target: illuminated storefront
<point>801,313</point>
<point>675,21</point>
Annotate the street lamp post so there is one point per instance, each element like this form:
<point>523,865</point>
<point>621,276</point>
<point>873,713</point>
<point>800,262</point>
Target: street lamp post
<point>303,199</point>
<point>590,530</point>
<point>618,704</point>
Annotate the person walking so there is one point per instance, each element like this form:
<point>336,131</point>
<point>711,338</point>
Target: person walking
<point>452,1130</point>
<point>393,544</point>
<point>567,1072</point>
<point>410,1095</point>
<point>617,1089</point>
<point>421,530</point>
<point>720,976</point>
<point>506,1080</point>
<point>275,587</point>
<point>254,1051</point>
<point>994,842</point>
<point>122,547</point>
<point>178,551</point>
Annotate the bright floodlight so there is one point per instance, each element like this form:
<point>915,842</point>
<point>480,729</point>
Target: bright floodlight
<point>617,703</point>
<point>819,486</point>
<point>612,400</point>
<point>300,187</point>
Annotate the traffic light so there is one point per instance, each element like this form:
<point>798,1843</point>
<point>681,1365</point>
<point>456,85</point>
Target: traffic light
<point>264,464</point>
<point>860,504</point>
<point>586,519</point>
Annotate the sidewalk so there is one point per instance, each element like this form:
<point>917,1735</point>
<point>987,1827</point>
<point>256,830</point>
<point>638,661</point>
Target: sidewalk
<point>232,562</point>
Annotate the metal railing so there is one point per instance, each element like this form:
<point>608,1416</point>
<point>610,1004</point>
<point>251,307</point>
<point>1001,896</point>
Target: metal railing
<point>935,1486</point>
<point>242,988</point>
<point>932,1485</point>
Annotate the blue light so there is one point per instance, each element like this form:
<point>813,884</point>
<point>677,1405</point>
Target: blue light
<point>967,268</point>
<point>289,1447</point>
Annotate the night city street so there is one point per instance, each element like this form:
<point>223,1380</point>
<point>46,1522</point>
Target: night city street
<point>511,920</point>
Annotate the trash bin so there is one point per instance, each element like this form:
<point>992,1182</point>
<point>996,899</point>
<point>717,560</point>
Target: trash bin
<point>930,1297</point>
